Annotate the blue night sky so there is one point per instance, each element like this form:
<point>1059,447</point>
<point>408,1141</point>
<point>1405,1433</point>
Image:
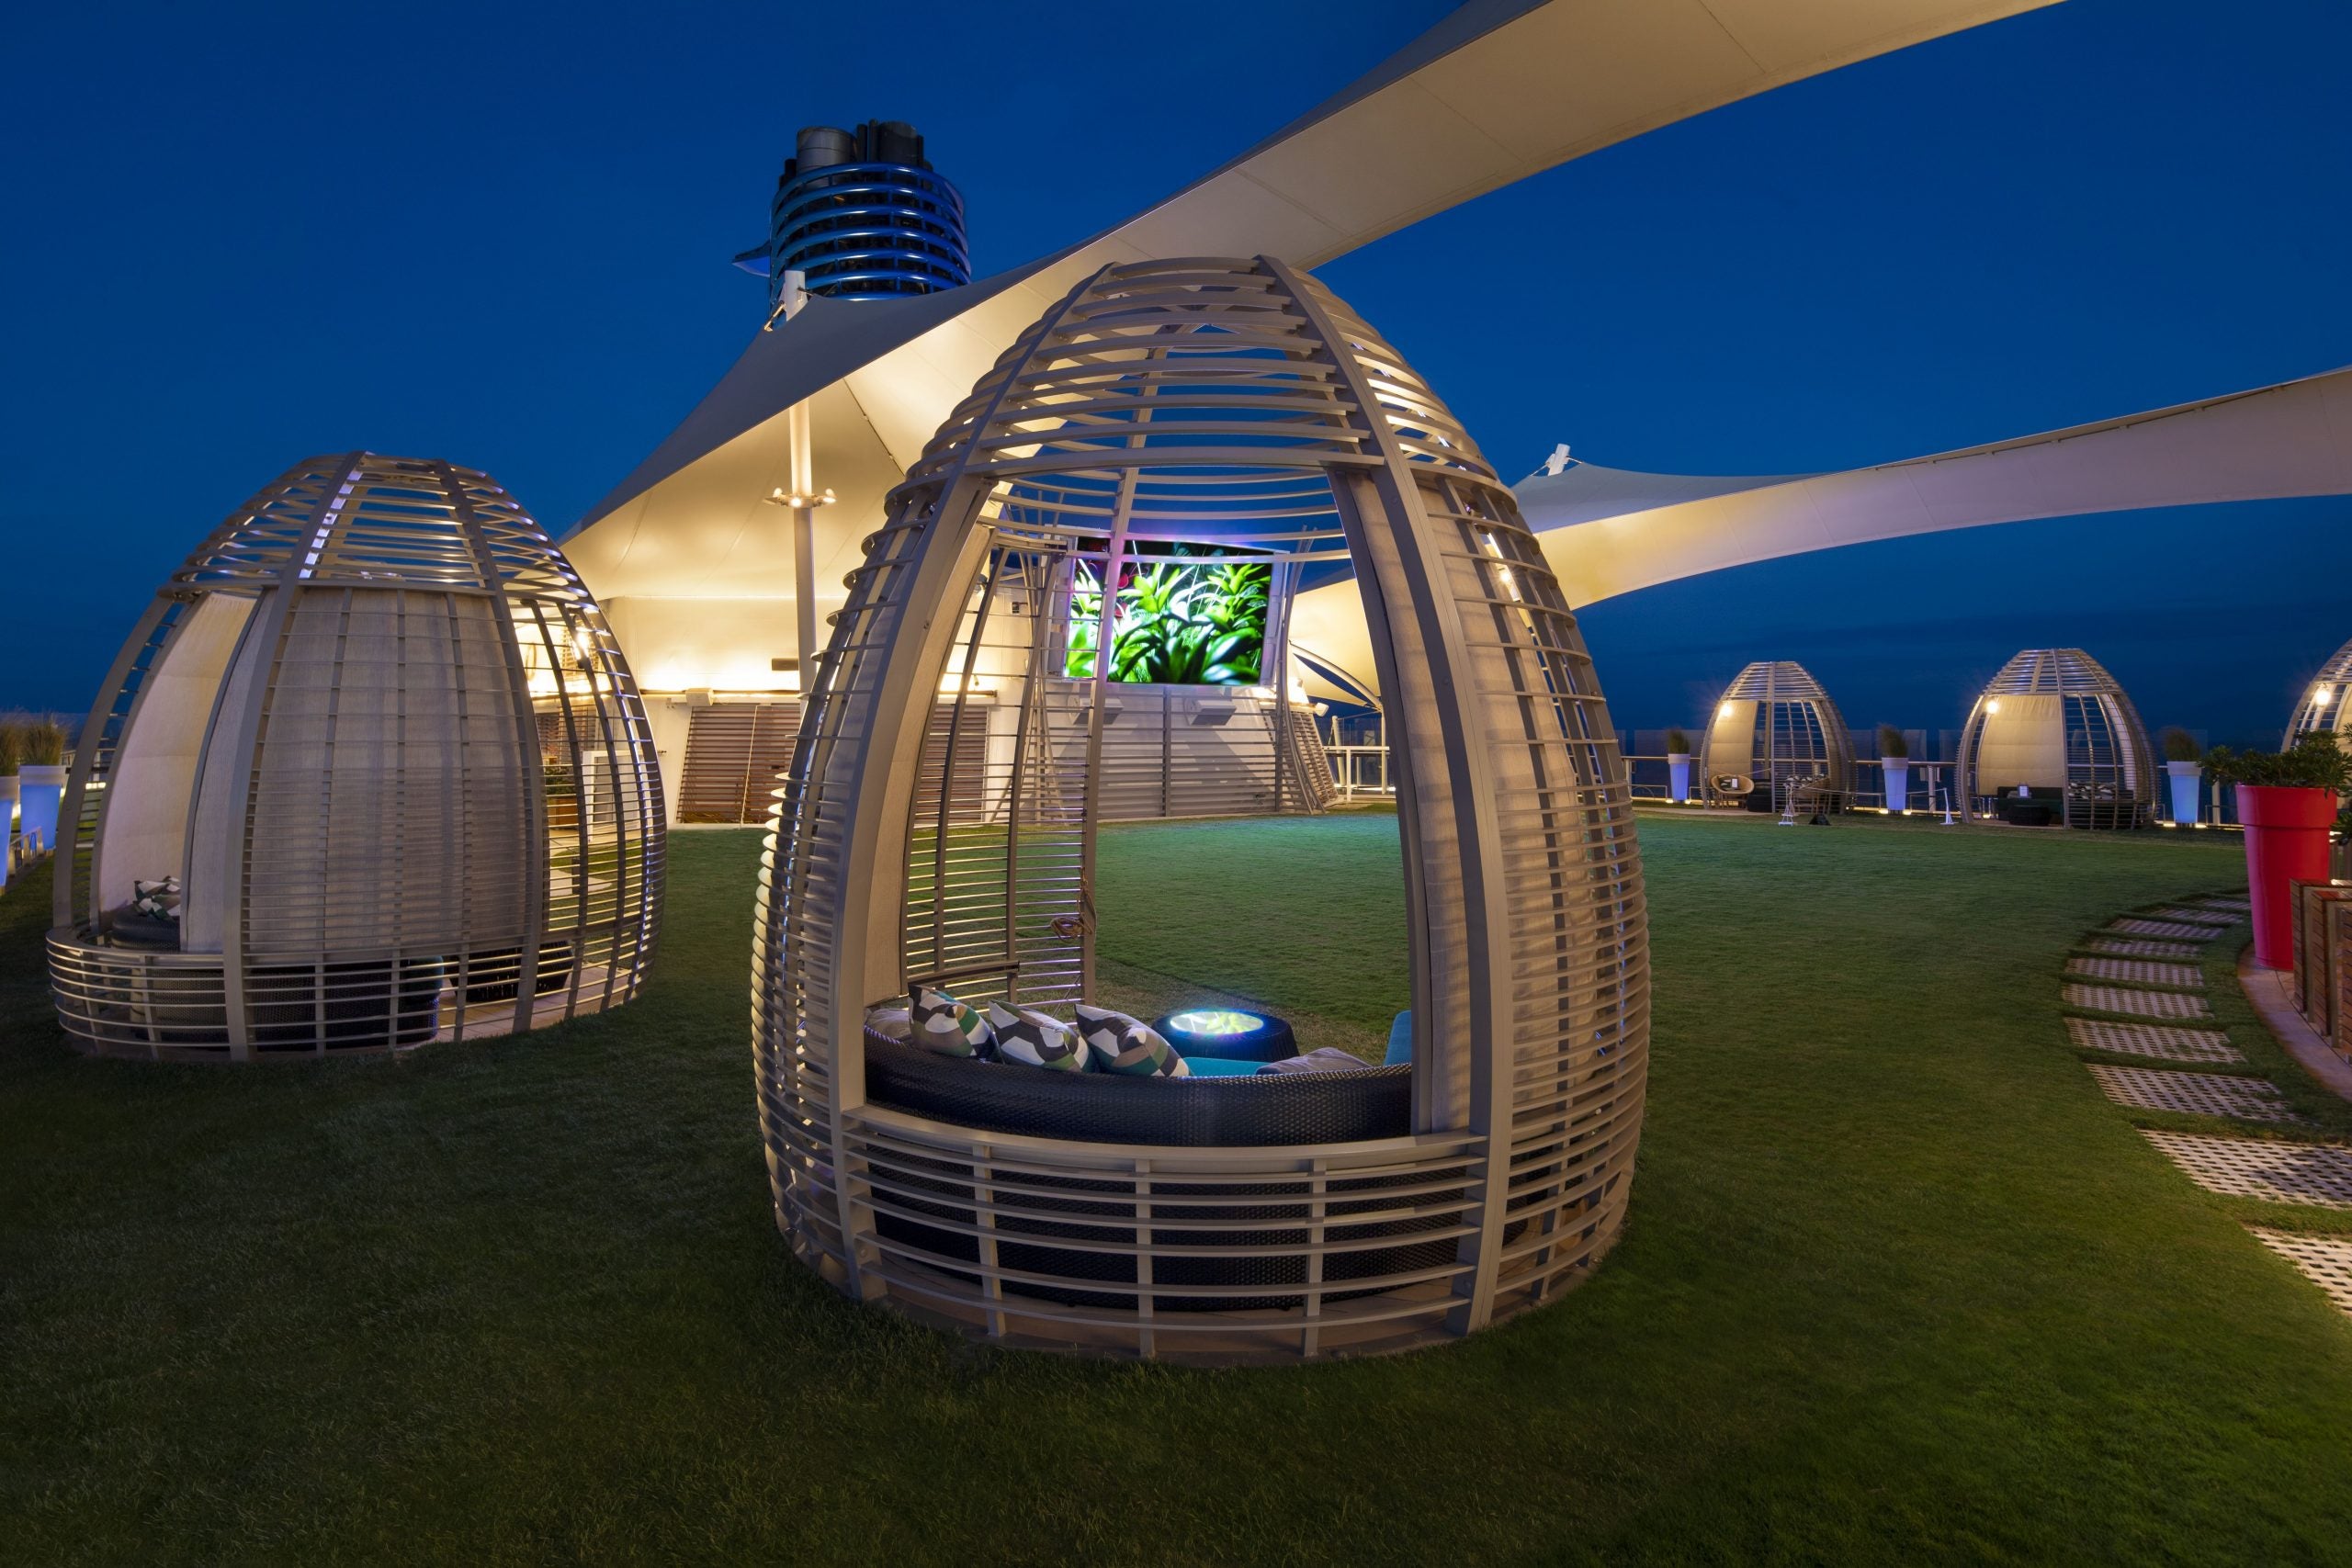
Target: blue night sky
<point>501,234</point>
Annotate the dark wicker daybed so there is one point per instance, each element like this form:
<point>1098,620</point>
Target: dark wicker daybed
<point>1104,1108</point>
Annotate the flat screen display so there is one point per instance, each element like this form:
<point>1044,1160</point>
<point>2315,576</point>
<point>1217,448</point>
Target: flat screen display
<point>1174,621</point>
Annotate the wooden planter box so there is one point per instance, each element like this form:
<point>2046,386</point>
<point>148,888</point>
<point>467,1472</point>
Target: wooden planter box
<point>2337,981</point>
<point>2315,978</point>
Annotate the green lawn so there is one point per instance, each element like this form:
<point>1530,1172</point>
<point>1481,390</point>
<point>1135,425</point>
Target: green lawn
<point>1897,1283</point>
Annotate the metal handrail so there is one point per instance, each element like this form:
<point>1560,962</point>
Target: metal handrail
<point>1347,766</point>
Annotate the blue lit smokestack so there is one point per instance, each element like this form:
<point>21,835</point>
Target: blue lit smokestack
<point>863,215</point>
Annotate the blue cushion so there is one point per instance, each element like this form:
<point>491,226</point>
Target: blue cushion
<point>1400,1041</point>
<point>1220,1067</point>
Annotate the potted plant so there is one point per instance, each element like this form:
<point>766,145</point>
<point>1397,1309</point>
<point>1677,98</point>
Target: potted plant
<point>2184,761</point>
<point>1895,756</point>
<point>1678,766</point>
<point>41,783</point>
<point>12,753</point>
<point>2287,801</point>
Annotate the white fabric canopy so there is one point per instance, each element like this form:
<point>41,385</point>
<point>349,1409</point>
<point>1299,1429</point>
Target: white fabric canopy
<point>2292,439</point>
<point>1500,90</point>
<point>1612,531</point>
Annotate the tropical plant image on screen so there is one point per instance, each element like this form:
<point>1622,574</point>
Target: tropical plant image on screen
<point>1174,623</point>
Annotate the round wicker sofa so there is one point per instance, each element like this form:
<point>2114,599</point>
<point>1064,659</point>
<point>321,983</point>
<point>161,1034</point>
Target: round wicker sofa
<point>1105,1108</point>
<point>1225,1236</point>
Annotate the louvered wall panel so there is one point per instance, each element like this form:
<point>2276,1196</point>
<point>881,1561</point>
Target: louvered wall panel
<point>968,792</point>
<point>734,751</point>
<point>1164,755</point>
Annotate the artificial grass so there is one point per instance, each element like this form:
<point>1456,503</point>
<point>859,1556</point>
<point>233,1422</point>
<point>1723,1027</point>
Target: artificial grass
<point>1897,1283</point>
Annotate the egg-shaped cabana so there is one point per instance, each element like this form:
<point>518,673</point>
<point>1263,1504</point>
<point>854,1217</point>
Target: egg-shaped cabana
<point>1236,407</point>
<point>2324,701</point>
<point>370,771</point>
<point>1775,728</point>
<point>2054,738</point>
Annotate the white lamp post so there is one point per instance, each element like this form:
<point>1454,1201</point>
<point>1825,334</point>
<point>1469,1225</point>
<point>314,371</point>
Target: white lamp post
<point>804,498</point>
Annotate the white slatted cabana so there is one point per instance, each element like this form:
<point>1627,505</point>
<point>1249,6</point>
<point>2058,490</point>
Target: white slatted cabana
<point>1775,726</point>
<point>2054,723</point>
<point>1234,405</point>
<point>381,736</point>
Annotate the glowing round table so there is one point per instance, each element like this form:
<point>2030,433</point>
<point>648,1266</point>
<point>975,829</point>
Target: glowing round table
<point>1229,1035</point>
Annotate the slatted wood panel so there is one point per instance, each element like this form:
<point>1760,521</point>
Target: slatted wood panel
<point>2340,936</point>
<point>2314,969</point>
<point>734,753</point>
<point>737,751</point>
<point>965,779</point>
<point>1187,752</point>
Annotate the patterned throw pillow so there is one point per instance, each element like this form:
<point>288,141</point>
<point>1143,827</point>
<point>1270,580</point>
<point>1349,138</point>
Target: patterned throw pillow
<point>157,900</point>
<point>945,1025</point>
<point>892,1020</point>
<point>1124,1044</point>
<point>1035,1040</point>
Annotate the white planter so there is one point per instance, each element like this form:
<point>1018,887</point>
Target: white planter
<point>1678,776</point>
<point>1898,782</point>
<point>2186,777</point>
<point>40,785</point>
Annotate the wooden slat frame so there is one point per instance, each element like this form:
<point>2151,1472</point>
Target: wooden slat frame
<point>734,753</point>
<point>2073,674</point>
<point>1241,392</point>
<point>1796,733</point>
<point>420,662</point>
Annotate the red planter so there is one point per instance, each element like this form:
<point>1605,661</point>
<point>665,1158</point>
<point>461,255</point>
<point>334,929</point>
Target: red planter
<point>2286,842</point>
